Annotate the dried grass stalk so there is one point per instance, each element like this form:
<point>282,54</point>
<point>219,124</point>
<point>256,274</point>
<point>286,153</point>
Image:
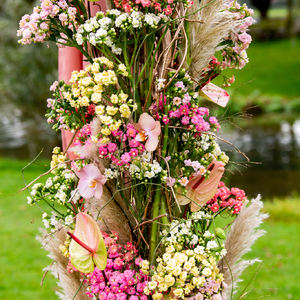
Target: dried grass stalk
<point>244,232</point>
<point>204,38</point>
<point>69,282</point>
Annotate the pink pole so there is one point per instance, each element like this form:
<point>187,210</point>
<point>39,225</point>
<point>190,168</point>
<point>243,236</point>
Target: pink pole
<point>69,60</point>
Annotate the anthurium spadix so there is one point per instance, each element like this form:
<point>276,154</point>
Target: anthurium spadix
<point>87,247</point>
<point>215,94</point>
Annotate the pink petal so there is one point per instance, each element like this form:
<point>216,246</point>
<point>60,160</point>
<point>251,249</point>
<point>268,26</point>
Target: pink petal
<point>81,174</point>
<point>92,171</point>
<point>146,122</point>
<point>84,190</point>
<point>101,179</point>
<point>215,94</point>
<point>98,191</point>
<point>157,130</point>
<point>137,127</point>
<point>151,143</point>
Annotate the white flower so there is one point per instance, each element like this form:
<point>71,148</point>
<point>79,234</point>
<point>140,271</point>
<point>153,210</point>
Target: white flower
<point>53,221</point>
<point>46,223</point>
<point>44,215</point>
<point>207,234</point>
<point>48,183</point>
<point>101,32</point>
<point>149,174</point>
<point>115,12</point>
<point>146,156</point>
<point>79,39</point>
<point>156,168</point>
<point>116,50</point>
<point>29,200</point>
<point>223,252</point>
<point>75,196</point>
<point>211,245</point>
<point>69,220</point>
<point>199,250</point>
<point>88,27</point>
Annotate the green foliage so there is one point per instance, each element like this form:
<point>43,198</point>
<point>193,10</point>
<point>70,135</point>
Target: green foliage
<point>273,69</point>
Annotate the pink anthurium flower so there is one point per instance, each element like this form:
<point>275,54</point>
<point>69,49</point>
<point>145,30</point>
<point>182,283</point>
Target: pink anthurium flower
<point>149,130</point>
<point>201,190</point>
<point>215,94</point>
<point>91,182</point>
<point>87,247</point>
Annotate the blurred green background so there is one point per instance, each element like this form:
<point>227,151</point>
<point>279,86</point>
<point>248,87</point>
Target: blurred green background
<point>265,102</point>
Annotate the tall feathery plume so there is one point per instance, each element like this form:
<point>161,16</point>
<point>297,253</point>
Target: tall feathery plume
<point>69,282</point>
<point>244,232</point>
<point>205,36</point>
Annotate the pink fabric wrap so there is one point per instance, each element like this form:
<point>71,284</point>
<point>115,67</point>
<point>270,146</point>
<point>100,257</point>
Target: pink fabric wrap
<point>69,60</point>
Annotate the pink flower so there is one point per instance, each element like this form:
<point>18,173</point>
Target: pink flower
<point>245,38</point>
<point>125,158</point>
<point>176,101</point>
<point>201,190</point>
<point>149,130</point>
<point>215,207</point>
<point>179,84</point>
<point>91,182</point>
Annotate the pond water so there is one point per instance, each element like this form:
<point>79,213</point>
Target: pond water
<point>274,151</point>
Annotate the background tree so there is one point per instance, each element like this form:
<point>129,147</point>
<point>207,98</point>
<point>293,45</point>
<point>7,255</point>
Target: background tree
<point>263,7</point>
<point>26,74</point>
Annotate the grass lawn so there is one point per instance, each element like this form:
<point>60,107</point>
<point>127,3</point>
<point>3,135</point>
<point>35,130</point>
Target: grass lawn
<point>22,258</point>
<point>273,69</point>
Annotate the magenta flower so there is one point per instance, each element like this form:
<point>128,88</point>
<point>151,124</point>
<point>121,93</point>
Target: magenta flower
<point>149,130</point>
<point>91,182</point>
<point>201,190</point>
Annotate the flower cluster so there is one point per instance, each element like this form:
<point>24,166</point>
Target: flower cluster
<point>185,272</point>
<point>109,28</point>
<point>163,7</point>
<point>123,277</point>
<point>39,26</point>
<point>179,109</point>
<point>234,53</point>
<point>58,189</point>
<point>231,199</point>
<point>76,104</point>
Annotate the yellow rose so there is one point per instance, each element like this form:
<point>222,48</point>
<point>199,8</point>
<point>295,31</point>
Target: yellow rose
<point>111,110</point>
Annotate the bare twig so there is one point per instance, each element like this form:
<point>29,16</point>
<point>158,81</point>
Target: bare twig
<point>149,221</point>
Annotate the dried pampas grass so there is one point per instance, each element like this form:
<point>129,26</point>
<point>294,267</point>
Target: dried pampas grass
<point>244,232</point>
<point>205,37</point>
<point>69,282</point>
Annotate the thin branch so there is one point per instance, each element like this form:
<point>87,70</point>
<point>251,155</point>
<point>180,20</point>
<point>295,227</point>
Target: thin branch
<point>149,221</point>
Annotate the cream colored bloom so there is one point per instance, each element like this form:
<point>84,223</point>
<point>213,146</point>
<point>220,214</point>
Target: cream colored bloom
<point>98,88</point>
<point>86,81</point>
<point>156,296</point>
<point>169,280</point>
<point>96,97</point>
<point>178,292</point>
<point>152,285</point>
<point>105,119</point>
<point>123,97</point>
<point>177,271</point>
<point>114,99</point>
<point>111,110</point>
<point>100,109</point>
<point>125,111</point>
<point>105,131</point>
<point>206,272</point>
<point>76,92</point>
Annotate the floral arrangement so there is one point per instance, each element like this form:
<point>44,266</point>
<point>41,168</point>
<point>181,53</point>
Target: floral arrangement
<point>136,194</point>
